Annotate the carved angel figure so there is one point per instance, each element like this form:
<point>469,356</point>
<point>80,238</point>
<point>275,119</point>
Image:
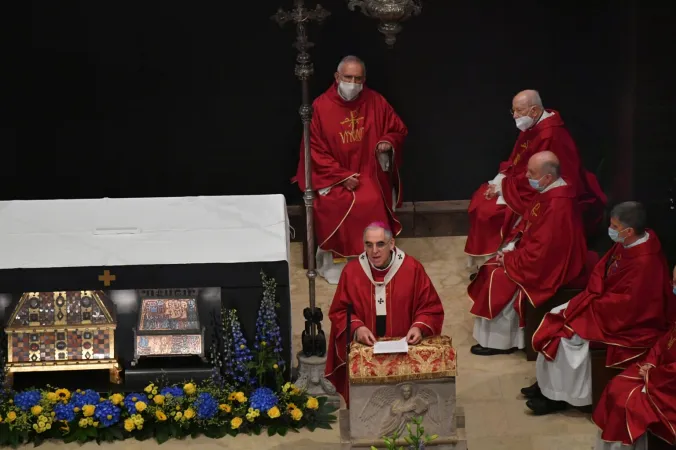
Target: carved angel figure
<point>403,403</point>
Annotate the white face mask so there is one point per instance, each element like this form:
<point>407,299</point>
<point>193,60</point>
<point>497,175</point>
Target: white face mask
<point>523,123</point>
<point>349,91</point>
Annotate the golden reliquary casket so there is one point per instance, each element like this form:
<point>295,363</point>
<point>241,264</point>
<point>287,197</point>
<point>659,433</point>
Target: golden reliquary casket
<point>59,331</point>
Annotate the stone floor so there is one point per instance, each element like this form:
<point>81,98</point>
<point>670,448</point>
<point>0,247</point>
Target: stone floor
<point>488,387</point>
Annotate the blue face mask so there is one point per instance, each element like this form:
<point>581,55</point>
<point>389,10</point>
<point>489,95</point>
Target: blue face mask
<point>615,235</point>
<point>535,184</point>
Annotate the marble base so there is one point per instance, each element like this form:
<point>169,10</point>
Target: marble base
<point>382,409</point>
<point>311,378</point>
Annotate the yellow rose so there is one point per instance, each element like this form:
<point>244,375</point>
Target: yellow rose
<point>225,408</point>
<point>189,413</point>
<point>63,394</point>
<point>290,406</point>
<point>36,410</point>
<point>232,396</point>
<point>312,403</point>
<point>296,414</point>
<point>116,399</point>
<point>88,410</point>
<point>239,396</point>
<point>148,389</point>
<point>52,397</point>
<point>236,422</point>
<point>11,416</point>
<point>189,389</point>
<point>140,406</point>
<point>159,399</point>
<point>129,425</point>
<point>273,412</point>
<point>160,415</point>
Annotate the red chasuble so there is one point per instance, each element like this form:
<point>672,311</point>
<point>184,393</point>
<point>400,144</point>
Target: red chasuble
<point>487,217</point>
<point>405,297</point>
<point>625,305</point>
<point>343,140</point>
<point>632,404</point>
<point>551,253</point>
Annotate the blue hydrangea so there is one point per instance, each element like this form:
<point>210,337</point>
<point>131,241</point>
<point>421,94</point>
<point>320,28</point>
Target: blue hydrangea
<point>242,354</point>
<point>267,325</point>
<point>131,399</point>
<point>263,399</point>
<point>64,412</point>
<point>206,406</point>
<point>88,397</point>
<point>27,399</point>
<point>107,414</point>
<point>173,391</point>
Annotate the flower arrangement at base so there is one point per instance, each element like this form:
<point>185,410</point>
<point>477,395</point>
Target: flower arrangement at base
<point>159,412</point>
<point>237,399</point>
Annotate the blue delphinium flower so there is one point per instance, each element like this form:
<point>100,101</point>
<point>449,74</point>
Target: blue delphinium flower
<point>88,397</point>
<point>206,406</point>
<point>27,399</point>
<point>64,412</point>
<point>107,414</point>
<point>242,354</point>
<point>263,399</point>
<point>267,326</point>
<point>173,391</point>
<point>131,399</point>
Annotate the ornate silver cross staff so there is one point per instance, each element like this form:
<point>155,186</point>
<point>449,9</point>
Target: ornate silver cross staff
<point>314,344</point>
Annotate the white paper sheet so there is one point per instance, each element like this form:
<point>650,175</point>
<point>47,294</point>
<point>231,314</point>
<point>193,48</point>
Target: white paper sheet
<point>385,347</point>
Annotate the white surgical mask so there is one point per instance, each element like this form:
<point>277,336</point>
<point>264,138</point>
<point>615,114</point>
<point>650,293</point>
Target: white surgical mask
<point>349,91</point>
<point>523,123</point>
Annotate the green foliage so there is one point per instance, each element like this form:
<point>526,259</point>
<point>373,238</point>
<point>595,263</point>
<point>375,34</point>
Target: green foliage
<point>416,440</point>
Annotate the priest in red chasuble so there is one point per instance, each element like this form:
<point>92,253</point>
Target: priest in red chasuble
<point>356,142</point>
<point>391,296</point>
<point>506,196</point>
<point>641,399</point>
<point>625,307</point>
<point>545,251</point>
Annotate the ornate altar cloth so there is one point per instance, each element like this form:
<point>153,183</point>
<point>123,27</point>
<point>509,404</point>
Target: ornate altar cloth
<point>433,358</point>
<point>57,331</point>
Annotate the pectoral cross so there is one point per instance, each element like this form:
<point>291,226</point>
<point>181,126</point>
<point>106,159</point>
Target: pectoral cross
<point>107,277</point>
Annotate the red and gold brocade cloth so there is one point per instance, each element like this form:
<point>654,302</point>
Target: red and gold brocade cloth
<point>433,358</point>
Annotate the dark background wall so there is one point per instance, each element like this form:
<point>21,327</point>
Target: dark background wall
<point>199,98</point>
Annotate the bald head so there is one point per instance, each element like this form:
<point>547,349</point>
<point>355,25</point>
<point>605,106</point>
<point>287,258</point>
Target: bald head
<point>543,168</point>
<point>527,104</point>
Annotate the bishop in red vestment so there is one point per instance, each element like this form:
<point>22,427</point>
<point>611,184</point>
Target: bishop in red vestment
<point>640,399</point>
<point>545,251</point>
<point>506,197</point>
<point>625,306</point>
<point>353,131</point>
<point>391,296</point>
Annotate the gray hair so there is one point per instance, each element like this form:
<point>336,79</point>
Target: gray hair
<point>377,226</point>
<point>351,59</point>
<point>631,215</point>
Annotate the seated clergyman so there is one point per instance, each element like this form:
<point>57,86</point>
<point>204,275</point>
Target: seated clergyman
<point>625,307</point>
<point>641,399</point>
<point>391,296</point>
<point>544,251</point>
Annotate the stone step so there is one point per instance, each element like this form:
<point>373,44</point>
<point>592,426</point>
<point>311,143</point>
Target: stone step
<point>418,219</point>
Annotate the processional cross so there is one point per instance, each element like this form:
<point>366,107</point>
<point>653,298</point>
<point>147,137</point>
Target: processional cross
<point>314,341</point>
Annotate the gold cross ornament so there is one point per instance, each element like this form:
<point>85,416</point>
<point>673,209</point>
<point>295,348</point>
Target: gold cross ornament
<point>106,277</point>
